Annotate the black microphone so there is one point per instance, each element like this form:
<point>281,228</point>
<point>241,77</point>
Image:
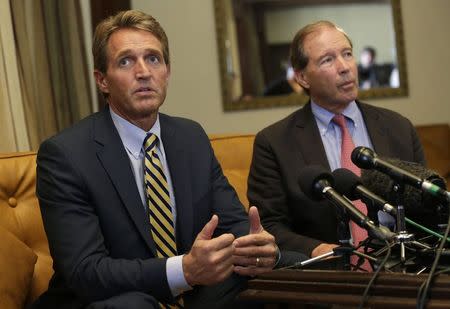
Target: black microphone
<point>350,185</point>
<point>420,206</point>
<point>366,158</point>
<point>317,184</point>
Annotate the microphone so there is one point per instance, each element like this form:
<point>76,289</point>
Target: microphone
<point>350,185</point>
<point>317,184</point>
<point>366,158</point>
<point>420,206</point>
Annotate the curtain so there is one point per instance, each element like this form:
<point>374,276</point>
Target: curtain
<point>14,134</point>
<point>51,60</point>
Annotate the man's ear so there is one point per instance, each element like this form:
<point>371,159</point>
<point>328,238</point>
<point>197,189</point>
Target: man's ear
<point>101,81</point>
<point>301,78</point>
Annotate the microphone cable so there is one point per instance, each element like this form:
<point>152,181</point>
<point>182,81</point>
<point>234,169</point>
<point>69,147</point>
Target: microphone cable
<point>423,292</point>
<point>422,286</point>
<point>425,229</point>
<point>365,295</point>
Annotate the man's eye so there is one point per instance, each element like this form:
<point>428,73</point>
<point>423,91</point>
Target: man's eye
<point>124,62</point>
<point>348,54</point>
<point>153,59</point>
<point>326,60</point>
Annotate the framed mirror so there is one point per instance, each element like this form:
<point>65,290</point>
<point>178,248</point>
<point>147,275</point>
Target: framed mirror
<point>254,37</point>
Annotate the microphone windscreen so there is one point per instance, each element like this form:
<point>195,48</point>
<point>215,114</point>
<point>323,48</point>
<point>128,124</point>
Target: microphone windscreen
<point>381,184</point>
<point>363,157</point>
<point>419,205</point>
<point>309,178</point>
<point>345,182</point>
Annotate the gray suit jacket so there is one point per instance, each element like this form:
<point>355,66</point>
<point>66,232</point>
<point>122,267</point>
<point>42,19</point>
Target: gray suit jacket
<point>284,148</point>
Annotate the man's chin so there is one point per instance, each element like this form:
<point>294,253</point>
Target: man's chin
<point>149,105</point>
<point>350,96</point>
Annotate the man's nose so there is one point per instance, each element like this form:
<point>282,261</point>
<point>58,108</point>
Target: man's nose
<point>142,69</point>
<point>343,65</point>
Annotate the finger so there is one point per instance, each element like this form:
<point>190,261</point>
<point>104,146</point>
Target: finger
<point>220,242</point>
<point>209,228</point>
<point>219,252</point>
<point>255,222</point>
<point>322,249</point>
<point>256,251</point>
<point>261,239</point>
<point>223,261</point>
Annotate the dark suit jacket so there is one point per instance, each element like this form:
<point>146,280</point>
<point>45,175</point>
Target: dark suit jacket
<point>284,148</point>
<point>98,230</point>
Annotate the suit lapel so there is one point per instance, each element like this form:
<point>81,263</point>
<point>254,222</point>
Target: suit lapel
<point>308,138</point>
<point>116,163</point>
<point>180,174</point>
<point>376,129</point>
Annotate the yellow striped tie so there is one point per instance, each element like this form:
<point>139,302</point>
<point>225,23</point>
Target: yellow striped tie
<point>158,200</point>
<point>160,207</point>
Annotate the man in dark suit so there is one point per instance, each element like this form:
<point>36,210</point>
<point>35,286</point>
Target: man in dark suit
<point>322,57</point>
<point>130,227</point>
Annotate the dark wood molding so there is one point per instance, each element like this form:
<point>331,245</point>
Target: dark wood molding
<point>101,9</point>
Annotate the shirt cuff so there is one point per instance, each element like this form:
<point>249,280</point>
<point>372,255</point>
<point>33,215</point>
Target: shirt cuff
<point>175,276</point>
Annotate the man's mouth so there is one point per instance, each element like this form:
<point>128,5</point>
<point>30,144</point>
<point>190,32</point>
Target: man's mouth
<point>347,84</point>
<point>144,90</point>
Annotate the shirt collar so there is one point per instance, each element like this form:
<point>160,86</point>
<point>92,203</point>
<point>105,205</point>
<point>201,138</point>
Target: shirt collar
<point>324,117</point>
<point>133,136</point>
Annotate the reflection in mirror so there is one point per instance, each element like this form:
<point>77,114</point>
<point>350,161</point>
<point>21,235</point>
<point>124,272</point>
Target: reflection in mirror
<point>254,38</point>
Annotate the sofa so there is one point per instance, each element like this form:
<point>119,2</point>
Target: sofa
<point>25,261</point>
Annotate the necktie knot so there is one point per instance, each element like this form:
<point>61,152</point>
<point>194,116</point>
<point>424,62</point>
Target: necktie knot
<point>340,121</point>
<point>150,142</point>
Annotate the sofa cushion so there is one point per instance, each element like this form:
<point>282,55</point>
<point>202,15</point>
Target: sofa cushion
<point>21,216</point>
<point>234,153</point>
<point>15,279</point>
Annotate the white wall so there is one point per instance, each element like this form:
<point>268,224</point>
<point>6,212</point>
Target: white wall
<point>367,24</point>
<point>194,90</point>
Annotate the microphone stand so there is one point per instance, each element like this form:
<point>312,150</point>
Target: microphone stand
<point>402,237</point>
<point>343,251</point>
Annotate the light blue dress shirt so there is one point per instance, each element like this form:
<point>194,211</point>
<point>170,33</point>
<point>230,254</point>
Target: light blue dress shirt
<point>133,139</point>
<point>331,132</point>
<point>332,139</point>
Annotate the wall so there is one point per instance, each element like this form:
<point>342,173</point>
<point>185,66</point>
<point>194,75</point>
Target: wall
<point>194,89</point>
<point>358,20</point>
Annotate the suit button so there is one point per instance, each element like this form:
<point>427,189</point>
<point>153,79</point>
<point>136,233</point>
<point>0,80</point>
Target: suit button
<point>12,202</point>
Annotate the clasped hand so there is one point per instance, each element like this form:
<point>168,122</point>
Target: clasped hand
<point>212,260</point>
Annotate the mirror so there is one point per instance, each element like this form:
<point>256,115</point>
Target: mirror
<point>254,37</point>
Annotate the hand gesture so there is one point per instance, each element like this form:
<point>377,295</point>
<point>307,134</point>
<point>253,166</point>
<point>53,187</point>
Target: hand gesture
<point>210,260</point>
<point>256,252</point>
